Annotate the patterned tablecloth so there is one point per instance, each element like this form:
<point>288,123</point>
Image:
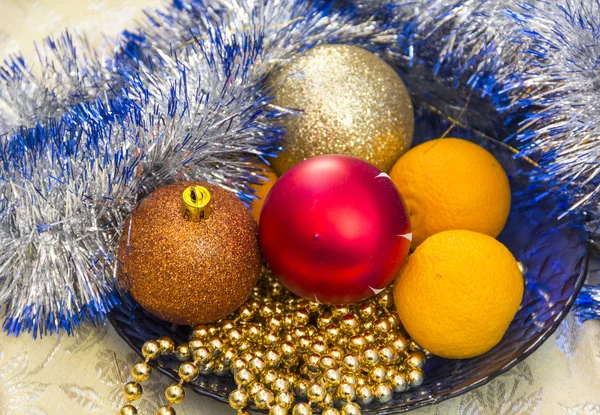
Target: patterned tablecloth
<point>85,374</point>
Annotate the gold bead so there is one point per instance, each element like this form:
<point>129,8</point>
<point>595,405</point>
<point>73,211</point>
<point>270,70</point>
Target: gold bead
<point>287,350</point>
<point>151,349</point>
<point>196,343</point>
<point>229,355</point>
<point>238,399</point>
<point>207,368</point>
<point>226,325</point>
<point>391,372</point>
<point>316,393</point>
<point>259,353</point>
<point>263,399</point>
<point>257,365</point>
<point>165,410</point>
<point>351,363</point>
<point>301,388</point>
<point>336,353</point>
<point>364,395</point>
<point>246,312</point>
<point>350,379</point>
<point>399,383</point>
<point>361,381</point>
<point>330,411</point>
<point>244,377</point>
<point>141,371</point>
<point>332,333</point>
<point>327,401</point>
<point>369,357</point>
<point>370,339</point>
<point>215,345</point>
<point>201,331</point>
<point>244,346</point>
<point>348,323</point>
<point>324,320</point>
<point>302,409</point>
<point>298,332</point>
<point>351,408</point>
<point>254,304</point>
<point>367,326</point>
<point>313,362</point>
<point>270,340</point>
<point>133,391</point>
<point>383,393</point>
<point>201,355</point>
<point>253,332</point>
<point>278,410</point>
<point>288,321</point>
<point>412,345</point>
<point>387,355</point>
<point>384,299</point>
<point>304,344</point>
<point>400,344</point>
<point>382,327</point>
<point>301,317</point>
<point>234,336</point>
<point>339,311</point>
<point>378,374</point>
<point>415,377</point>
<point>394,320</point>
<point>327,362</point>
<point>254,388</point>
<point>175,393</point>
<point>272,359</point>
<point>280,385</point>
<point>291,378</point>
<point>266,311</point>
<point>285,398</point>
<point>287,338</point>
<point>128,410</point>
<point>167,345</point>
<point>346,392</point>
<point>248,357</point>
<point>275,323</point>
<point>332,377</point>
<point>188,371</point>
<point>269,377</point>
<point>313,306</point>
<point>416,359</point>
<point>357,343</point>
<point>237,365</point>
<point>183,352</point>
<point>319,347</point>
<point>366,311</point>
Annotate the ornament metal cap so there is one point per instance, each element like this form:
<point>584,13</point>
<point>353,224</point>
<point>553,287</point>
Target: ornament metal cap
<point>195,204</point>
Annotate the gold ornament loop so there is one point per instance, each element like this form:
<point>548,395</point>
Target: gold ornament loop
<point>195,203</point>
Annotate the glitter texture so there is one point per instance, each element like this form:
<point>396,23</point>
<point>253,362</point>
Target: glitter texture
<point>349,101</point>
<point>186,272</point>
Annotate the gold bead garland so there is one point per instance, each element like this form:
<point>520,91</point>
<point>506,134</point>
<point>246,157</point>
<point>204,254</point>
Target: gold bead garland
<point>281,348</point>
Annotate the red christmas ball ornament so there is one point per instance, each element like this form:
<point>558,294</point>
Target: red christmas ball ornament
<point>334,229</point>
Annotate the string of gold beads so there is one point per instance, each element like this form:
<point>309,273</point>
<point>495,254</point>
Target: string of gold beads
<point>292,356</point>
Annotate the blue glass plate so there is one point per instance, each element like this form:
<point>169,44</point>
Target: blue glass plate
<point>554,253</point>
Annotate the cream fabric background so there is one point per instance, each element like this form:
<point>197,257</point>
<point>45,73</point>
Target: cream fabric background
<point>84,374</point>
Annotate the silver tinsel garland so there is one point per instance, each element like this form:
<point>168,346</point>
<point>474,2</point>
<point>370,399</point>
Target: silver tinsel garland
<point>182,99</point>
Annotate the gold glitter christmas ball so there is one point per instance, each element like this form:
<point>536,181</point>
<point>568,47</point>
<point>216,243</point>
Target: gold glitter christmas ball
<point>189,253</point>
<point>348,101</point>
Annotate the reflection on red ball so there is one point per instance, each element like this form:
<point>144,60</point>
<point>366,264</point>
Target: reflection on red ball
<point>334,229</point>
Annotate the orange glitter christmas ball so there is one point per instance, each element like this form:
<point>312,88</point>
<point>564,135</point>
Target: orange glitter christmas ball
<point>189,253</point>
